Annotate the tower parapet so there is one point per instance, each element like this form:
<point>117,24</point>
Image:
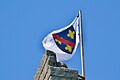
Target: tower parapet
<point>50,69</point>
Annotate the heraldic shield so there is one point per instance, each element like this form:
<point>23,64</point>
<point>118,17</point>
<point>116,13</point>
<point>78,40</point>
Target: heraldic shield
<point>66,40</point>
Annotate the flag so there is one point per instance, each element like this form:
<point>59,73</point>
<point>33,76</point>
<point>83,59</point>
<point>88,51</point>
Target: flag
<point>63,42</point>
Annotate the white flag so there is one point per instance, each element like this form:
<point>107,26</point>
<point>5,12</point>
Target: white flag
<point>63,42</point>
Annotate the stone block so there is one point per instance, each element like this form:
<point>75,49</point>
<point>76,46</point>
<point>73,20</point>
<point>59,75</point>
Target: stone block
<point>63,72</point>
<point>60,78</point>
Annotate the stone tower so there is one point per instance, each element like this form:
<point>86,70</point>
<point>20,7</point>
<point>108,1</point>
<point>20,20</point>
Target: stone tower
<point>50,69</point>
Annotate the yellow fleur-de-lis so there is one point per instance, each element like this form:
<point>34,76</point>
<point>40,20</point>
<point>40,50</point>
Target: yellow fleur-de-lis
<point>71,34</point>
<point>59,42</point>
<point>69,48</point>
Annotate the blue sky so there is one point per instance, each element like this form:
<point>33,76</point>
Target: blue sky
<point>25,23</point>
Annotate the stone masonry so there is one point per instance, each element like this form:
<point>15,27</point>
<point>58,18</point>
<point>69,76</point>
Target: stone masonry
<point>50,69</point>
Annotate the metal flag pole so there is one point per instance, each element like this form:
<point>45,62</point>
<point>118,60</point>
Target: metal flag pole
<point>81,46</point>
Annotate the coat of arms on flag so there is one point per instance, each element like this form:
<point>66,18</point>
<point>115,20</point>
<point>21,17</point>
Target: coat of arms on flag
<point>63,42</point>
<point>66,40</point>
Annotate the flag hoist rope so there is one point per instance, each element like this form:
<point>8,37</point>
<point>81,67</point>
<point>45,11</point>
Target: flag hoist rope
<point>81,45</point>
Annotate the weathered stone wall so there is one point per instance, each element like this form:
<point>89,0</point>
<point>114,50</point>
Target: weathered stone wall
<point>49,69</point>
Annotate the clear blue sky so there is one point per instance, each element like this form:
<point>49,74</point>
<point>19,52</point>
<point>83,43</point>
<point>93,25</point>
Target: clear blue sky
<point>24,24</point>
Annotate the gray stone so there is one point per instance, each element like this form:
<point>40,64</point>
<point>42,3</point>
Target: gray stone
<point>50,69</point>
<point>50,61</point>
<point>63,72</point>
<point>61,64</point>
<point>60,78</point>
<point>41,66</point>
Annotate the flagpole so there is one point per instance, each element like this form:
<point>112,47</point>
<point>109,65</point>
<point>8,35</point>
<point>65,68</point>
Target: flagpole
<point>81,46</point>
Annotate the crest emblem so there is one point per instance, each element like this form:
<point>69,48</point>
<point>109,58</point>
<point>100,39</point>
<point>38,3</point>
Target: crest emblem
<point>66,39</point>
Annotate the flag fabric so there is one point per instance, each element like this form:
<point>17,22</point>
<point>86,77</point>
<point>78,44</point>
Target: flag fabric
<point>63,42</point>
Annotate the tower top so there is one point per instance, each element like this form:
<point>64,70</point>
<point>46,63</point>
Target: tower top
<point>50,69</point>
